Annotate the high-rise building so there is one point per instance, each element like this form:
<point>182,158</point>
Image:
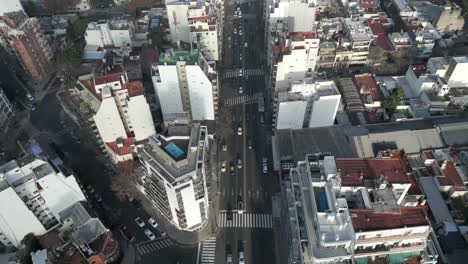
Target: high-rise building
<point>10,6</point>
<point>175,180</point>
<point>186,85</point>
<point>34,197</point>
<point>22,37</point>
<point>307,104</point>
<point>352,210</point>
<point>195,23</point>
<point>119,112</point>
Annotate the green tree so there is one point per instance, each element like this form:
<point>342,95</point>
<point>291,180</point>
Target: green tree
<point>393,100</point>
<point>55,6</point>
<point>31,244</point>
<point>158,38</point>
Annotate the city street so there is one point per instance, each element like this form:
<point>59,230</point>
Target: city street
<point>244,219</point>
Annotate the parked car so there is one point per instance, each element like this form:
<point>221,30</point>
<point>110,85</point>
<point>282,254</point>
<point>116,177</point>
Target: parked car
<point>140,222</point>
<point>150,234</point>
<point>125,233</point>
<point>240,90</point>
<point>223,166</point>
<point>239,131</point>
<point>153,222</point>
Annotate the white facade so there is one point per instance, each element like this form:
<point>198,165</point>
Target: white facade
<point>201,94</point>
<point>104,33</point>
<point>108,120</point>
<point>299,64</point>
<point>10,6</point>
<point>177,185</point>
<point>186,87</point>
<point>204,36</point>
<point>308,105</point>
<point>291,16</point>
<point>456,74</point>
<point>178,21</point>
<point>33,196</point>
<point>139,117</point>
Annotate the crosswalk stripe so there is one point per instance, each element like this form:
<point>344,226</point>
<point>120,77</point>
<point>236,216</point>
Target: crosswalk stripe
<point>245,220</point>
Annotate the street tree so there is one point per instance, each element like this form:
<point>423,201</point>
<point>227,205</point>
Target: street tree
<point>31,244</point>
<point>123,184</point>
<point>224,124</point>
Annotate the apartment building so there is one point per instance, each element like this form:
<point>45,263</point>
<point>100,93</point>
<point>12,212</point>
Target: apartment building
<point>10,6</point>
<point>355,210</point>
<point>187,87</point>
<point>195,24</point>
<point>360,38</point>
<point>22,37</point>
<point>34,196</point>
<point>175,179</point>
<point>110,34</point>
<point>118,111</point>
<point>296,59</point>
<point>307,104</point>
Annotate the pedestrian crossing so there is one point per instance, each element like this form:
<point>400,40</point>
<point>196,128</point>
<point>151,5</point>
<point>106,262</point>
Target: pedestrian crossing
<point>248,72</point>
<point>155,245</point>
<point>31,130</point>
<point>208,251</point>
<point>243,99</point>
<point>245,220</point>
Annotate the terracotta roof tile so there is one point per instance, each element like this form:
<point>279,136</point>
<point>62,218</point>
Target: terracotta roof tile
<point>114,77</point>
<point>367,81</point>
<point>134,88</point>
<point>125,149</point>
<point>450,172</point>
<point>367,220</point>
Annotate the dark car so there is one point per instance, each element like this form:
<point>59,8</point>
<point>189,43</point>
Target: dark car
<point>125,233</point>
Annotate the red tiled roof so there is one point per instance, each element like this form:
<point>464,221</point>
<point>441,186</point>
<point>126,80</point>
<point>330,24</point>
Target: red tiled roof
<point>125,149</point>
<point>134,88</point>
<point>384,42</point>
<point>306,34</point>
<point>89,84</point>
<point>367,220</point>
<point>199,18</point>
<point>451,174</point>
<point>114,77</point>
<point>428,154</point>
<point>377,28</point>
<point>368,82</point>
<point>354,171</point>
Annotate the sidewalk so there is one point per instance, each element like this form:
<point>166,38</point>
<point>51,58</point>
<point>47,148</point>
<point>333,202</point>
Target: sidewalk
<point>185,237</point>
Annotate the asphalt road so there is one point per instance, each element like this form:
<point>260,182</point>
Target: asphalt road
<point>248,189</point>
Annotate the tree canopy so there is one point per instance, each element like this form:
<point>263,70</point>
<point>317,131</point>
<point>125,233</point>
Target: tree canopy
<point>31,244</point>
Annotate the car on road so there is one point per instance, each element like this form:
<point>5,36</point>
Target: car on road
<point>161,231</point>
<point>239,163</point>
<point>223,166</point>
<point>240,32</point>
<point>125,233</point>
<point>139,222</point>
<point>250,144</point>
<point>98,198</point>
<point>30,97</point>
<point>241,257</point>
<point>265,164</point>
<point>153,222</point>
<point>150,234</point>
<point>235,31</point>
<point>239,131</point>
<point>224,147</point>
<point>241,73</point>
<point>246,45</point>
<point>229,259</point>
<point>240,90</point>
<point>232,169</point>
<point>240,207</point>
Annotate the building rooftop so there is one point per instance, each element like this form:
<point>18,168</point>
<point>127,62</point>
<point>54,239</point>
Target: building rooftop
<point>368,84</point>
<point>369,220</point>
<point>179,153</point>
<point>171,57</point>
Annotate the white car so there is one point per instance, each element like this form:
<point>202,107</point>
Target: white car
<point>223,166</point>
<point>265,164</point>
<point>241,257</point>
<point>239,131</point>
<point>150,234</point>
<point>239,164</point>
<point>245,45</point>
<point>153,222</point>
<point>241,73</point>
<point>235,31</point>
<point>139,222</point>
<point>265,168</point>
<point>240,32</point>
<point>240,90</point>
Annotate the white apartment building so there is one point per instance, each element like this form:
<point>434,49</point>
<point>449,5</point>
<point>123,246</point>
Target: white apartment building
<point>195,23</point>
<point>282,17</point>
<point>299,62</point>
<point>121,113</point>
<point>10,6</point>
<point>186,86</point>
<point>336,218</point>
<point>110,34</point>
<point>360,37</point>
<point>175,178</point>
<point>34,195</point>
<point>307,104</point>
